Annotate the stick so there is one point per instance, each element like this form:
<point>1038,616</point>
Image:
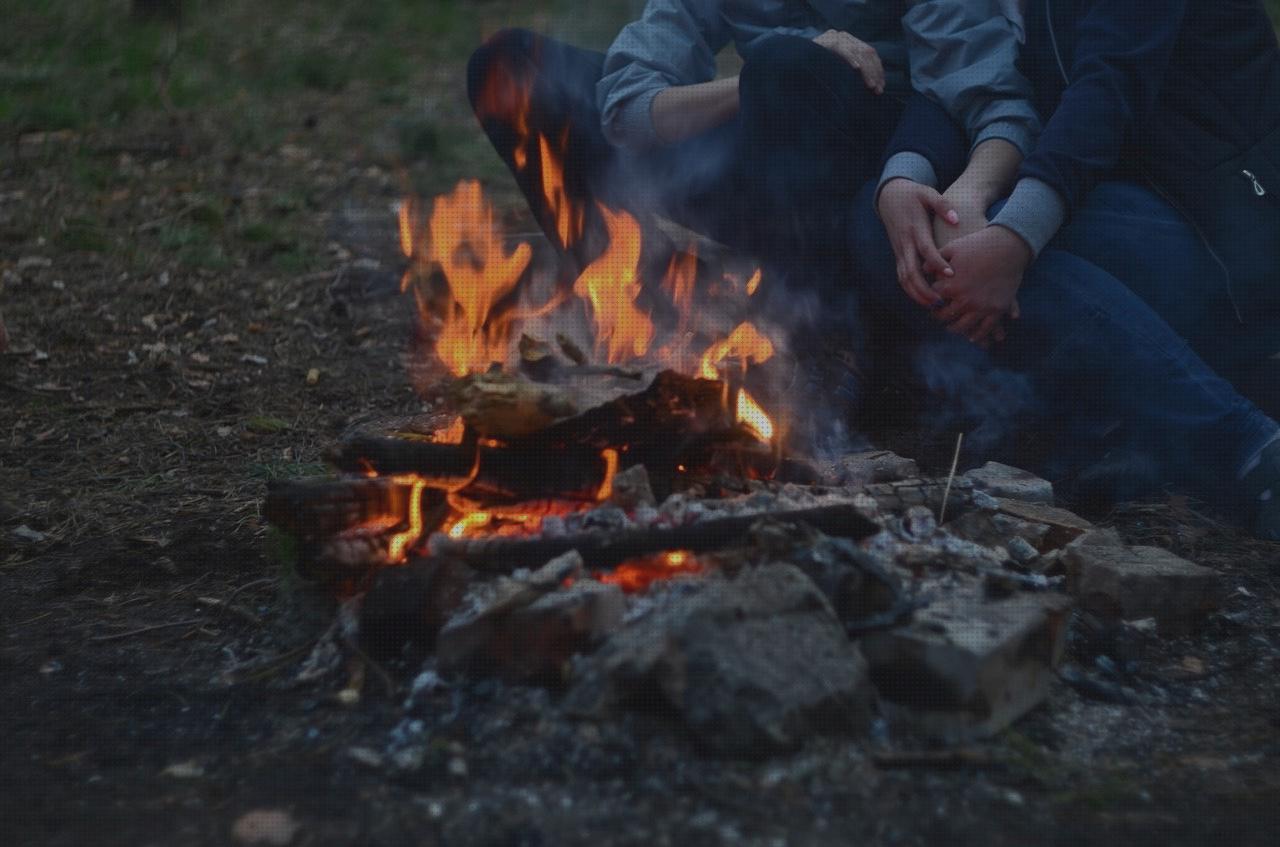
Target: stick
<point>946,492</point>
<point>152,628</point>
<point>605,549</point>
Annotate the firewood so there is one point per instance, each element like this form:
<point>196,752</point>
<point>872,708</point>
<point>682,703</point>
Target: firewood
<point>503,405</point>
<point>318,508</point>
<point>601,549</point>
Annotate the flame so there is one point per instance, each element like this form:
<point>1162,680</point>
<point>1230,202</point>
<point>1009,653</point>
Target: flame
<point>753,417</point>
<point>753,284</point>
<point>610,457</point>
<point>682,272</point>
<point>611,286</point>
<point>638,574</point>
<point>745,342</point>
<point>569,220</point>
<point>401,541</point>
<point>468,523</point>
<point>506,99</point>
<point>451,434</point>
<point>469,247</point>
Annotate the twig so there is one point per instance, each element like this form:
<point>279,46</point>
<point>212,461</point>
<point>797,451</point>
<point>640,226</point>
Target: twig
<point>946,492</point>
<point>152,628</point>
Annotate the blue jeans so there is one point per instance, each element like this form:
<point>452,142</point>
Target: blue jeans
<point>1093,363</point>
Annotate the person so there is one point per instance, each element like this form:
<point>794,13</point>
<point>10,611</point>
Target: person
<point>767,160</point>
<point>1138,105</point>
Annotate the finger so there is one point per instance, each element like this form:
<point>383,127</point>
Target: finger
<point>912,282</point>
<point>872,69</point>
<point>928,249</point>
<point>988,331</point>
<point>938,204</point>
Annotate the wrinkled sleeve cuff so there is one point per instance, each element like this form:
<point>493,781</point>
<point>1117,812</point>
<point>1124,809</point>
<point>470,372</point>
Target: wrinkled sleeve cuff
<point>1035,211</point>
<point>1014,133</point>
<point>631,124</point>
<point>907,165</point>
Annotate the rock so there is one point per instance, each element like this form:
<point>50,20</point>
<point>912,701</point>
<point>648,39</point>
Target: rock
<point>967,667</point>
<point>872,466</point>
<point>1063,526</point>
<point>407,606</point>
<point>992,529</point>
<point>752,664</point>
<point>1021,550</point>
<point>524,630</point>
<point>631,488</point>
<point>265,826</point>
<point>1014,483</point>
<point>1115,581</point>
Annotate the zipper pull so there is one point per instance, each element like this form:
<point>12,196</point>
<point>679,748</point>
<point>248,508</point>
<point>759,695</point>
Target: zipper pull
<point>1257,186</point>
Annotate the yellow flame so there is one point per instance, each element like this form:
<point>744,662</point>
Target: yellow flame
<point>469,247</point>
<point>753,417</point>
<point>610,285</point>
<point>569,221</point>
<point>401,541</point>
<point>468,523</point>
<point>754,283</point>
<point>745,342</point>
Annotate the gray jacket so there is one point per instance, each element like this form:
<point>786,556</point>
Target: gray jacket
<point>960,52</point>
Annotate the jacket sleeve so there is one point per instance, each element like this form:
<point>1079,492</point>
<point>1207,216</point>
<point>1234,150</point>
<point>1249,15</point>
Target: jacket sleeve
<point>675,42</point>
<point>964,55</point>
<point>1114,73</point>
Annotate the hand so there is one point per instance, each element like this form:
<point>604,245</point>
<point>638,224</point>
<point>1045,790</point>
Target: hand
<point>972,212</point>
<point>989,265</point>
<point>859,54</point>
<point>906,207</point>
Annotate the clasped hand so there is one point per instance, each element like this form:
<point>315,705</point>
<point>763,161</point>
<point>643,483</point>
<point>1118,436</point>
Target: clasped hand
<point>966,272</point>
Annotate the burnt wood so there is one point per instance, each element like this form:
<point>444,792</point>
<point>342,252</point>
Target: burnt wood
<point>603,549</point>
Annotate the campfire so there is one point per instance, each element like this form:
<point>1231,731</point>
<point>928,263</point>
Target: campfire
<point>608,498</point>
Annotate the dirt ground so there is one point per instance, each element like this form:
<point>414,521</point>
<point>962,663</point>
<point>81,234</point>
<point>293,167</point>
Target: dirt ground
<point>200,284</point>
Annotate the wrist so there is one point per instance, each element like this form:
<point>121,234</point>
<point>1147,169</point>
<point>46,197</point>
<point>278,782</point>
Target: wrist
<point>1016,246</point>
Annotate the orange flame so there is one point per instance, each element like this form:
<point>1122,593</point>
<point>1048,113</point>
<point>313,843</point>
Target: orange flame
<point>468,523</point>
<point>506,99</point>
<point>753,417</point>
<point>569,221</point>
<point>639,574</point>
<point>754,283</point>
<point>611,286</point>
<point>610,457</point>
<point>745,342</point>
<point>451,434</point>
<point>469,247</point>
<point>402,541</point>
<point>679,281</point>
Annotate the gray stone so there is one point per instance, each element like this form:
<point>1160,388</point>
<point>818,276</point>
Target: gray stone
<point>752,664</point>
<point>872,466</point>
<point>992,529</point>
<point>1063,526</point>
<point>1005,481</point>
<point>631,488</point>
<point>1116,581</point>
<point>967,667</point>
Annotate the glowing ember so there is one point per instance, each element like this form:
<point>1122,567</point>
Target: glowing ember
<point>611,286</point>
<point>469,523</point>
<point>638,574</point>
<point>750,415</point>
<point>745,343</point>
<point>754,283</point>
<point>470,250</point>
<point>451,434</point>
<point>610,457</point>
<point>402,541</point>
<point>569,220</point>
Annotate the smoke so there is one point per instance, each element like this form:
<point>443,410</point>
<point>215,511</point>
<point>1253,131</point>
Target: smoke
<point>969,393</point>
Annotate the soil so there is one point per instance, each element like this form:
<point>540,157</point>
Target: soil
<point>151,641</point>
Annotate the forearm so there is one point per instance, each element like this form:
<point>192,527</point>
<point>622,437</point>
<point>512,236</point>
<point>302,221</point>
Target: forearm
<point>989,176</point>
<point>683,111</point>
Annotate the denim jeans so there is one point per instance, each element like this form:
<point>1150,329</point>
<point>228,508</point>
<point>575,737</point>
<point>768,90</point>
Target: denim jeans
<point>777,181</point>
<point>1132,233</point>
<point>1100,365</point>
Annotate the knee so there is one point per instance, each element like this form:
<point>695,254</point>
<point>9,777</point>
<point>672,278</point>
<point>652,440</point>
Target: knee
<point>785,70</point>
<point>494,70</point>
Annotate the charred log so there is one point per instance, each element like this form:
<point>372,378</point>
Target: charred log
<point>606,549</point>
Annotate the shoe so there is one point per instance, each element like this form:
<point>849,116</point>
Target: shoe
<point>1262,487</point>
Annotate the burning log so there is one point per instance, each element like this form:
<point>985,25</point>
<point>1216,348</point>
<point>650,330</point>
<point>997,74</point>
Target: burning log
<point>321,508</point>
<point>606,549</point>
<point>444,466</point>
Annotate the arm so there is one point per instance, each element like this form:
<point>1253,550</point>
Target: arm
<point>1115,72</point>
<point>684,111</point>
<point>674,44</point>
<point>988,177</point>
